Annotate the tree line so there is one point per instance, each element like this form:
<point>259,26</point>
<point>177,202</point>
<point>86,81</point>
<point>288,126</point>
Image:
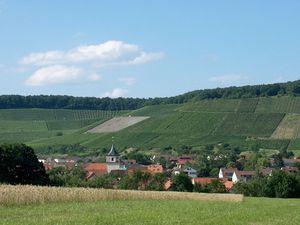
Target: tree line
<point>70,102</point>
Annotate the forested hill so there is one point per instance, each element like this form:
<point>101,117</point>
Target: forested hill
<point>70,102</point>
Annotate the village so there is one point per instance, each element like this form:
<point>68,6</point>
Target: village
<point>184,164</point>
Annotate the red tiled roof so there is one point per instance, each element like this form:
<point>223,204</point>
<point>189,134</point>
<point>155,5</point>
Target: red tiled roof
<point>155,168</point>
<point>266,171</point>
<point>185,161</point>
<point>167,184</point>
<point>228,184</point>
<point>207,180</point>
<point>204,180</point>
<point>290,169</point>
<point>97,168</point>
<point>48,166</point>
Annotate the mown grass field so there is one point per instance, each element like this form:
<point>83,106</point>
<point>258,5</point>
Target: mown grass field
<point>252,211</point>
<point>243,122</point>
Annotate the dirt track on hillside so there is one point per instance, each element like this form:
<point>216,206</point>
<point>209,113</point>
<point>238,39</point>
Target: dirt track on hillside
<point>117,124</point>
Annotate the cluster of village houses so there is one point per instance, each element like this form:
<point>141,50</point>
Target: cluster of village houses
<point>182,164</point>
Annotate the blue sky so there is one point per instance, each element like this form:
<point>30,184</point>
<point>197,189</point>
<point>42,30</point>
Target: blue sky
<point>145,48</point>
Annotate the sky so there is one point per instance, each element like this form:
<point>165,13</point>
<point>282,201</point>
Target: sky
<point>142,48</point>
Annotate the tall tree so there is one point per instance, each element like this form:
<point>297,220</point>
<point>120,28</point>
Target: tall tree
<point>20,165</point>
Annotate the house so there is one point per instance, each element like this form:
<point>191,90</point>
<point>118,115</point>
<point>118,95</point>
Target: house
<point>96,169</point>
<point>242,176</point>
<point>184,161</point>
<point>60,161</point>
<point>290,162</point>
<point>155,168</point>
<point>128,162</point>
<point>227,173</point>
<point>152,168</point>
<point>203,180</point>
<point>136,167</point>
<point>207,180</point>
<point>290,169</point>
<point>190,171</point>
<point>187,170</point>
<point>266,171</point>
<point>168,184</point>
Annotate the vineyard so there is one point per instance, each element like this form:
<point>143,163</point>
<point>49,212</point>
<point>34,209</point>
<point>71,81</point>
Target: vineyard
<point>279,105</point>
<point>250,124</point>
<point>25,125</point>
<point>241,122</point>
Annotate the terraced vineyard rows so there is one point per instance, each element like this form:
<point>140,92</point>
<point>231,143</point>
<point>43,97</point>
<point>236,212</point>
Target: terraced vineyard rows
<point>242,122</point>
<point>219,105</point>
<point>250,124</point>
<point>21,125</point>
<point>248,105</point>
<point>55,114</point>
<point>279,105</point>
<point>69,124</point>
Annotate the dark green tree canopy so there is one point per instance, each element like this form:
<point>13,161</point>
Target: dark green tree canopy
<point>20,165</point>
<point>182,182</point>
<point>70,102</point>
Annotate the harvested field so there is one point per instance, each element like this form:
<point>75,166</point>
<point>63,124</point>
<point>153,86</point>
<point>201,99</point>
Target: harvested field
<point>289,128</point>
<point>117,124</point>
<point>24,195</point>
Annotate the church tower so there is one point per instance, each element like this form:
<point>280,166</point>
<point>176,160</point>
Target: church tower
<point>113,159</point>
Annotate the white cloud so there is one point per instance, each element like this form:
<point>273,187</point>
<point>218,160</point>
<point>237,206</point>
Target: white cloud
<point>229,78</point>
<point>53,75</point>
<point>128,80</point>
<point>107,53</point>
<point>115,93</point>
<point>145,57</point>
<point>94,77</point>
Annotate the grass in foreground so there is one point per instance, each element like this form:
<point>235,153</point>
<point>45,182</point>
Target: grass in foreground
<point>252,211</point>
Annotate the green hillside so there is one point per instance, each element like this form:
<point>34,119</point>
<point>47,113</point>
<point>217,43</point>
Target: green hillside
<point>266,122</point>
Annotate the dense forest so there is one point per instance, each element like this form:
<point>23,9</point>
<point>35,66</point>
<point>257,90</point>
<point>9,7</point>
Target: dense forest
<point>70,102</point>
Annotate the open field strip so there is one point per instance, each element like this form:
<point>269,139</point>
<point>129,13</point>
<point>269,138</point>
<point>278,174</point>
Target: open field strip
<point>117,123</point>
<point>289,128</point>
<point>26,194</point>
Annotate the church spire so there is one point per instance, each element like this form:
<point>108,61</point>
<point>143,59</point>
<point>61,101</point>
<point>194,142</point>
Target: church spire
<point>113,151</point>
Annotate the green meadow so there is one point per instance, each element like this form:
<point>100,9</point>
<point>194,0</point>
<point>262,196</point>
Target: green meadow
<point>252,211</point>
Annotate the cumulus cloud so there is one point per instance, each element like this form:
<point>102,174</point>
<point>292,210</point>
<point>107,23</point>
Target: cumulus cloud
<point>128,80</point>
<point>145,57</point>
<point>107,53</point>
<point>115,93</point>
<point>229,78</point>
<point>58,66</point>
<point>53,75</point>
